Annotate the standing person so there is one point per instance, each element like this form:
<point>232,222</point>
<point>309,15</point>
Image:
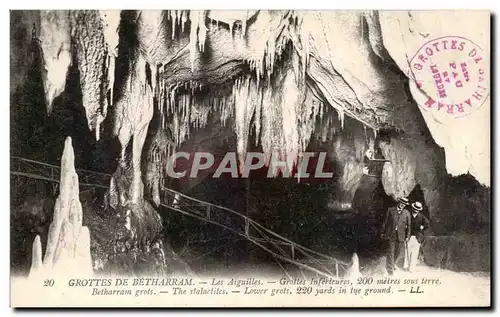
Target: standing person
<point>397,227</point>
<point>419,223</point>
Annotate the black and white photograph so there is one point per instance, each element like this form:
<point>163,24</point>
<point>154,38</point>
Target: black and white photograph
<point>251,158</point>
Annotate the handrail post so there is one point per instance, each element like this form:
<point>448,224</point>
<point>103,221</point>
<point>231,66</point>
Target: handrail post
<point>247,227</point>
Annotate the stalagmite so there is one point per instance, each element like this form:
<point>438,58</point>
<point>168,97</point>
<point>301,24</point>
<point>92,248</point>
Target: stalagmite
<point>68,243</point>
<point>55,41</point>
<point>36,257</point>
<point>353,271</point>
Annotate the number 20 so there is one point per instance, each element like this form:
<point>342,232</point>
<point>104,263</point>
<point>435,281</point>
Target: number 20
<point>48,283</point>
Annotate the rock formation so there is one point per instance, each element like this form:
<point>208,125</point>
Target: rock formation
<point>68,244</point>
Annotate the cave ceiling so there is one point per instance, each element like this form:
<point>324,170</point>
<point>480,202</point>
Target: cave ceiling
<point>263,69</point>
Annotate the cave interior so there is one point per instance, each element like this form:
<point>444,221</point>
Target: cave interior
<point>168,81</point>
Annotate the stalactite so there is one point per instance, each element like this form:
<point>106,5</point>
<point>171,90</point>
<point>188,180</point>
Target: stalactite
<point>246,98</point>
<point>270,55</point>
<point>197,34</point>
<point>226,108</point>
<point>308,114</point>
<point>140,72</point>
<point>93,37</point>
<point>268,120</point>
<point>184,19</point>
<point>324,133</point>
<point>282,116</point>
<point>268,46</point>
<point>199,114</point>
<point>133,114</point>
<point>244,26</point>
<point>142,96</point>
<point>111,22</point>
<point>154,72</point>
<point>341,118</point>
<point>173,18</point>
<point>273,130</point>
<point>292,96</point>
<point>202,31</point>
<point>55,41</point>
<point>359,141</point>
<point>111,79</point>
<point>257,118</point>
<point>160,149</point>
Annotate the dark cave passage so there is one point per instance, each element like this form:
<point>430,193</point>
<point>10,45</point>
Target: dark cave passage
<point>301,211</point>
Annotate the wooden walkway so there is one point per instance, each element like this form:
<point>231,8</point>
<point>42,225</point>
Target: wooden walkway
<point>281,248</point>
<point>47,172</point>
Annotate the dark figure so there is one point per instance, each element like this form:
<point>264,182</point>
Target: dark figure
<point>419,223</point>
<point>397,226</point>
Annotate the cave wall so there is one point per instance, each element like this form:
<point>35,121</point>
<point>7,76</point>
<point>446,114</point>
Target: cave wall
<point>465,138</point>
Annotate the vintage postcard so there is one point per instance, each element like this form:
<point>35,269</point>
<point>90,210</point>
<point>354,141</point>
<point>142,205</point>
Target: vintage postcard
<point>204,158</point>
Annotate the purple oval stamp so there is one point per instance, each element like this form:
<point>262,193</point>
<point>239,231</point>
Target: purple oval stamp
<point>452,73</point>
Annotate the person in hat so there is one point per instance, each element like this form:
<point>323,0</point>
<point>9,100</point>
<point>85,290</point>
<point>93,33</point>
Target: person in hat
<point>397,225</point>
<point>419,223</point>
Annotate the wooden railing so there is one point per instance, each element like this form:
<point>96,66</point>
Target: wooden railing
<point>43,171</point>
